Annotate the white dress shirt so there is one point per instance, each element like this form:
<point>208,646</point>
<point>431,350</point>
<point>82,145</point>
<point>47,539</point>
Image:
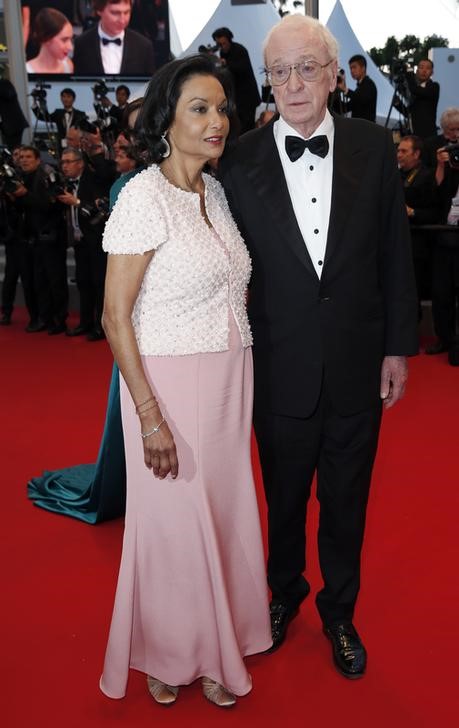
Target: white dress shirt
<point>309,182</point>
<point>112,53</point>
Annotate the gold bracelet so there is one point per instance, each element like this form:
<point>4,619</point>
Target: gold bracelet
<point>138,406</point>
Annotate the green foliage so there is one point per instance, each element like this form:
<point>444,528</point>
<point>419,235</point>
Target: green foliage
<point>410,48</point>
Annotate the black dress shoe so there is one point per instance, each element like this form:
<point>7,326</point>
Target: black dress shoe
<point>35,327</point>
<point>5,320</point>
<point>96,335</point>
<point>438,348</point>
<point>349,654</point>
<point>78,330</point>
<point>281,616</point>
<point>57,329</point>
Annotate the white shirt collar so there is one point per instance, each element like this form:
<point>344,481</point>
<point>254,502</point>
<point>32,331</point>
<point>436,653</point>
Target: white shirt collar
<point>109,37</point>
<point>325,127</point>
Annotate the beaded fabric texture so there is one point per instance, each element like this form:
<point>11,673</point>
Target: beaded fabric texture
<point>182,306</point>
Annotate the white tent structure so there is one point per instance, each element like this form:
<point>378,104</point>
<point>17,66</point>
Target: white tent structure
<point>349,45</point>
<point>249,25</point>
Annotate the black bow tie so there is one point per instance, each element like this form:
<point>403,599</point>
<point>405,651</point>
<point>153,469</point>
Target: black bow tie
<point>295,146</point>
<point>106,41</point>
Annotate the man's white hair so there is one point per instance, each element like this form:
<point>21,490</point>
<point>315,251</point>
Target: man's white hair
<point>310,24</point>
<point>449,116</point>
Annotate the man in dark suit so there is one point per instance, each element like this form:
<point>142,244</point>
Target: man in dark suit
<point>236,59</point>
<point>361,101</point>
<point>332,306</point>
<point>449,122</point>
<point>422,208</point>
<point>64,118</point>
<point>85,228</point>
<point>424,99</point>
<point>111,48</point>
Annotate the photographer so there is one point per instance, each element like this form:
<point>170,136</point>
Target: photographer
<point>10,179</point>
<point>64,118</point>
<point>445,283</point>
<point>41,247</point>
<point>85,226</point>
<point>236,59</point>
<point>424,99</point>
<point>449,122</point>
<point>361,101</point>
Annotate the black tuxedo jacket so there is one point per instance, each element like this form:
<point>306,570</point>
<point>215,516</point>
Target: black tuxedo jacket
<point>138,55</point>
<point>364,306</point>
<point>423,106</point>
<point>362,100</point>
<point>58,117</point>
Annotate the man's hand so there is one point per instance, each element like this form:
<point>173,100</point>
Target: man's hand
<point>68,199</point>
<point>394,374</point>
<point>20,191</point>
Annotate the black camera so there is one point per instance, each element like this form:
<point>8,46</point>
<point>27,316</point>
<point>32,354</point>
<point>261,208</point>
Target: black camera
<point>453,154</point>
<point>56,183</point>
<point>88,127</point>
<point>98,212</point>
<point>100,90</point>
<point>208,48</point>
<point>10,179</point>
<point>39,92</point>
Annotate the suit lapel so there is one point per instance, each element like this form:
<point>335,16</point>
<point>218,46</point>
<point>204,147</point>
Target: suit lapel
<point>349,162</point>
<point>264,170</point>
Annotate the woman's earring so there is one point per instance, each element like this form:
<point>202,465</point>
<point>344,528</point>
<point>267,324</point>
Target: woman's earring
<point>167,147</point>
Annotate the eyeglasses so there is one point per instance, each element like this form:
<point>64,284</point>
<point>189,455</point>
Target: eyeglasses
<point>307,70</point>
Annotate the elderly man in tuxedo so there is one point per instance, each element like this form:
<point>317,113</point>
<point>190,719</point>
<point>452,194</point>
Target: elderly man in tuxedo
<point>333,311</point>
<point>111,48</point>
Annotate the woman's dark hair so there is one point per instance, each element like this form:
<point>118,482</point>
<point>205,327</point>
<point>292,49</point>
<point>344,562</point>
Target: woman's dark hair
<point>163,92</point>
<point>48,23</point>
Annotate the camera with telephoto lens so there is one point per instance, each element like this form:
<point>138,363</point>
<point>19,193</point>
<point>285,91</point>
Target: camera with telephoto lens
<point>39,92</point>
<point>10,179</point>
<point>100,90</point>
<point>56,182</point>
<point>98,212</point>
<point>453,154</point>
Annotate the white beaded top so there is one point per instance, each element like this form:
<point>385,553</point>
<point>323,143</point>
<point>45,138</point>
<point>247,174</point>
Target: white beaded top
<point>197,272</point>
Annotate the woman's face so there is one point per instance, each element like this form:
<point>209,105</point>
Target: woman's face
<point>62,43</point>
<point>201,122</point>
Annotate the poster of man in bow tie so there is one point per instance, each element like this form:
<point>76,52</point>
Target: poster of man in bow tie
<point>332,306</point>
<point>111,48</point>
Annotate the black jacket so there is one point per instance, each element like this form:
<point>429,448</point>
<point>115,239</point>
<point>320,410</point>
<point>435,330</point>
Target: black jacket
<point>138,55</point>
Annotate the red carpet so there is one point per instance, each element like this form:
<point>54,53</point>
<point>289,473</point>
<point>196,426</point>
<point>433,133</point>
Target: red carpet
<point>59,574</point>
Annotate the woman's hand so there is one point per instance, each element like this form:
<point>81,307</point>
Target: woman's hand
<point>160,453</point>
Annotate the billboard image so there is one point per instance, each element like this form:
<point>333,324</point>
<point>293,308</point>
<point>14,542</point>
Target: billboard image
<point>95,38</point>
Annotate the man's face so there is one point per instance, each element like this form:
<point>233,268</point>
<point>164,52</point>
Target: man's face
<point>67,100</point>
<point>121,97</point>
<point>71,166</point>
<point>28,162</point>
<point>73,138</point>
<point>115,17</point>
<point>424,71</point>
<point>407,158</point>
<point>451,131</point>
<point>302,104</point>
<point>357,70</point>
<point>223,42</point>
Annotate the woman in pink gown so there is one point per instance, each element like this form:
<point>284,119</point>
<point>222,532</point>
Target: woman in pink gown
<point>191,599</point>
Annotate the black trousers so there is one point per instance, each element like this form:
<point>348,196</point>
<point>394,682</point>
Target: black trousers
<point>90,265</point>
<point>20,262</point>
<point>341,450</point>
<point>50,273</point>
<point>445,290</point>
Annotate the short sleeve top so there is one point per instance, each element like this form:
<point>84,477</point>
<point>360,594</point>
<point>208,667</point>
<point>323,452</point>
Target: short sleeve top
<point>197,272</point>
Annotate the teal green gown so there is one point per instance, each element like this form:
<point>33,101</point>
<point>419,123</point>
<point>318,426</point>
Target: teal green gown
<point>93,492</point>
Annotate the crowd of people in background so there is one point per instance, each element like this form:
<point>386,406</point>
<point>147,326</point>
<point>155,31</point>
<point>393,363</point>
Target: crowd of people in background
<point>38,224</point>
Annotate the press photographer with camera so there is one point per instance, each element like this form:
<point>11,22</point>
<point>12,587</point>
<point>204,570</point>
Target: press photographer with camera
<point>42,249</point>
<point>10,179</point>
<point>424,99</point>
<point>445,281</point>
<point>64,118</point>
<point>85,199</point>
<point>361,101</point>
<point>449,123</point>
